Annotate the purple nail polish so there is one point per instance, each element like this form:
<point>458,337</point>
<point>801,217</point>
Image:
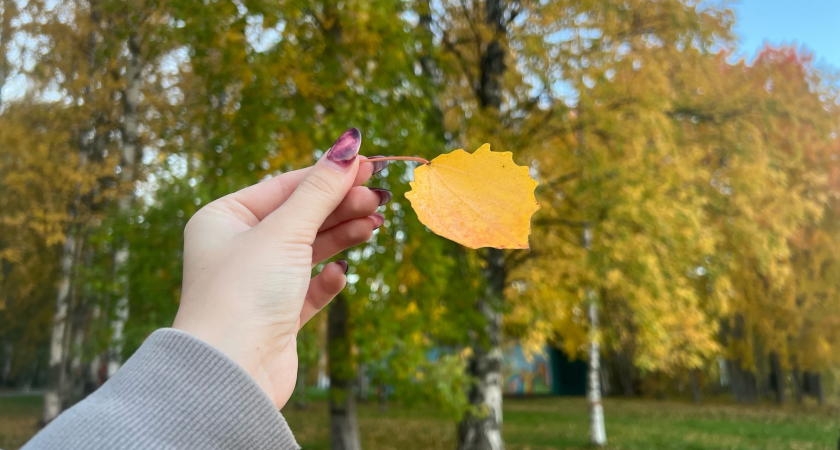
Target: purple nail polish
<point>379,166</point>
<point>343,263</point>
<point>378,220</point>
<point>344,151</point>
<point>385,195</point>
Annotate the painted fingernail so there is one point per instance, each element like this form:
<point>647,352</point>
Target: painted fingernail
<point>345,149</point>
<point>343,264</point>
<point>378,220</point>
<point>379,166</point>
<point>385,195</point>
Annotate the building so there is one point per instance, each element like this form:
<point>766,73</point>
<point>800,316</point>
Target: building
<point>549,373</point>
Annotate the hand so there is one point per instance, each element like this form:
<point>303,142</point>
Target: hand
<point>248,258</point>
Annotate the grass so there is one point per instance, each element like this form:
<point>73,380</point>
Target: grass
<point>18,420</point>
<point>546,423</point>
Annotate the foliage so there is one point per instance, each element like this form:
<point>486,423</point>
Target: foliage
<point>608,157</point>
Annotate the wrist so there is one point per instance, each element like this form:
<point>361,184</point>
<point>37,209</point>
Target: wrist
<point>272,364</point>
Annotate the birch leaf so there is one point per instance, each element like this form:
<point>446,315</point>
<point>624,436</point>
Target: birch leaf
<point>477,200</point>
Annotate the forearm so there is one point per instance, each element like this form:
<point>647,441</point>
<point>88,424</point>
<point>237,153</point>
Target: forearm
<point>176,392</point>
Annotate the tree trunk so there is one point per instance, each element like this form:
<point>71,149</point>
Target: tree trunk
<point>29,378</point>
<point>6,366</point>
<point>797,384</point>
<point>483,431</point>
<point>735,379</point>
<point>56,374</point>
<point>364,383</point>
<point>606,386</point>
<point>778,377</point>
<point>750,387</point>
<point>300,388</point>
<point>344,429</point>
<point>597,431</point>
<point>323,378</point>
<point>76,367</point>
<point>815,383</point>
<point>743,381</point>
<point>130,129</point>
<point>760,374</point>
<point>77,333</point>
<point>694,379</point>
<point>625,374</point>
<point>383,397</point>
<point>93,376</point>
<point>93,369</point>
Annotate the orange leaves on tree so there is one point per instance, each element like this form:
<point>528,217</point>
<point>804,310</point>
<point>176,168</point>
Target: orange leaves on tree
<point>477,200</point>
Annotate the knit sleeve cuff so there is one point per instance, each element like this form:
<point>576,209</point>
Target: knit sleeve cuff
<point>175,392</point>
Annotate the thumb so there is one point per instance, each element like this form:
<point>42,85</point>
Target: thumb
<point>321,191</point>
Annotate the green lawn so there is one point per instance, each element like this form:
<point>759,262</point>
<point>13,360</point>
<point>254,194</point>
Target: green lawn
<point>547,423</point>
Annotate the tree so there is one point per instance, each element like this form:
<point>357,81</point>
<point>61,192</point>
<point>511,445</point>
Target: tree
<point>79,72</point>
<point>475,62</point>
<point>38,179</point>
<point>608,155</point>
<point>766,129</point>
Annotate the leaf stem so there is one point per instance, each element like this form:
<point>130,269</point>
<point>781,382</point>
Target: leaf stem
<point>397,158</point>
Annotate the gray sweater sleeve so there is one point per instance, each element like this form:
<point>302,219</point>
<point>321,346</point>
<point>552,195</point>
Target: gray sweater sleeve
<point>176,392</point>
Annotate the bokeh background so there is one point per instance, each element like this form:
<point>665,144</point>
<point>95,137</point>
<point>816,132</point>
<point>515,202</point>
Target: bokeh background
<point>685,263</point>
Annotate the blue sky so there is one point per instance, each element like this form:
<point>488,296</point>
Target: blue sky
<point>815,23</point>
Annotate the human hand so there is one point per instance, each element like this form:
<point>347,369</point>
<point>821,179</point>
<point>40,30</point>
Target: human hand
<point>248,259</point>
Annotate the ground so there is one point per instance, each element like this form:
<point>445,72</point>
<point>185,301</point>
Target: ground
<point>546,423</point>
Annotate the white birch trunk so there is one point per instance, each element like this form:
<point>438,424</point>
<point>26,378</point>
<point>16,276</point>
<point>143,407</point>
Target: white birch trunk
<point>130,128</point>
<point>597,431</point>
<point>484,432</point>
<point>485,366</point>
<point>58,350</point>
<point>77,342</point>
<point>323,378</point>
<point>55,383</point>
<point>92,369</point>
<point>70,326</point>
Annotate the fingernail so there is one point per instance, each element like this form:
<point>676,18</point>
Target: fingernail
<point>345,149</point>
<point>379,166</point>
<point>378,220</point>
<point>385,195</point>
<point>343,264</point>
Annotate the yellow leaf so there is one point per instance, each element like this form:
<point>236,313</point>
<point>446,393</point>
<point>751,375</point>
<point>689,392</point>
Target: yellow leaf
<point>477,200</point>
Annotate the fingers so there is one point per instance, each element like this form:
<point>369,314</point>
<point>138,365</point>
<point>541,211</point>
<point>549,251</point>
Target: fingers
<point>341,237</point>
<point>359,202</point>
<point>263,198</point>
<point>322,288</point>
<point>319,193</point>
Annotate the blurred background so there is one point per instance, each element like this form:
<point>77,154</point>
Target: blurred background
<point>685,264</point>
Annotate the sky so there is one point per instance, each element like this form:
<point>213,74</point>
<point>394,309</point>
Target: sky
<point>814,23</point>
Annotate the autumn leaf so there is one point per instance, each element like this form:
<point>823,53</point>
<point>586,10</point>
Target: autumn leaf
<point>477,200</point>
